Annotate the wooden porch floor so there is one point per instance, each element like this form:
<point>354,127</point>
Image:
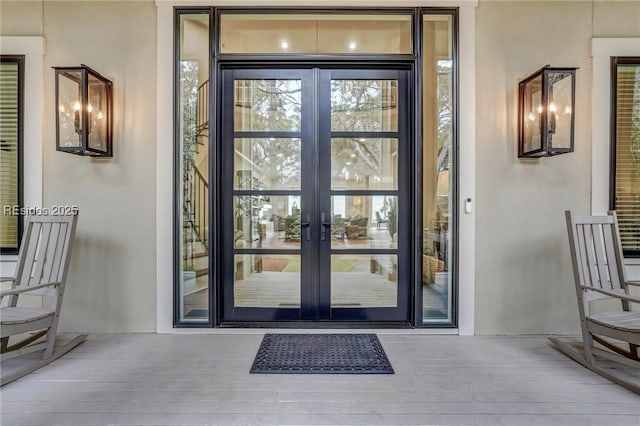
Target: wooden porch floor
<point>140,379</point>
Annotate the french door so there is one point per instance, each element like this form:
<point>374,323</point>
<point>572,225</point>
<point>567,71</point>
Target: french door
<point>315,211</point>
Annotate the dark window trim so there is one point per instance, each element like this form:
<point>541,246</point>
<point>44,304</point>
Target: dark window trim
<point>615,61</point>
<point>415,56</point>
<point>177,178</point>
<point>19,59</point>
<point>455,167</point>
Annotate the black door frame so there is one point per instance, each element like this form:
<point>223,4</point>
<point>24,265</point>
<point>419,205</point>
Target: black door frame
<point>412,61</point>
<point>401,312</point>
<point>226,191</point>
<point>316,254</point>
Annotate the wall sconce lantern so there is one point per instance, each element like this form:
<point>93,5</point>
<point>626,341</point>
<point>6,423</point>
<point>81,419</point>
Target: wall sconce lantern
<point>545,112</point>
<point>84,105</point>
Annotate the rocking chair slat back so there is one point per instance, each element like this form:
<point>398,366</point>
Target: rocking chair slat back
<point>41,255</point>
<point>46,243</point>
<point>597,263</point>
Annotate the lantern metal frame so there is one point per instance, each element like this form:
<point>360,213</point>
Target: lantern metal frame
<point>547,125</point>
<point>82,127</point>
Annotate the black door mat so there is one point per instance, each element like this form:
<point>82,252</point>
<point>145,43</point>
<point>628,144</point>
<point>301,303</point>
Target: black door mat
<point>321,354</point>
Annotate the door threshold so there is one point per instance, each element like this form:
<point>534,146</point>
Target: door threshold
<point>293,330</point>
<point>306,325</point>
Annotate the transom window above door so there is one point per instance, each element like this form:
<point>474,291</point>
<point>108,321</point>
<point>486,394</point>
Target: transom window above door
<point>315,33</point>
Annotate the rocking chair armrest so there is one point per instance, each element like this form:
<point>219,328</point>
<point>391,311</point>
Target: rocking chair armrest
<point>613,294</point>
<point>15,291</point>
<point>4,279</point>
<point>635,283</point>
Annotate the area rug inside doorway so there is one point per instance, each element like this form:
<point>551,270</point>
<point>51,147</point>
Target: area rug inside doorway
<point>321,354</point>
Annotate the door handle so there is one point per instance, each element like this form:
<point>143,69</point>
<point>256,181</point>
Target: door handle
<point>307,227</point>
<point>324,225</point>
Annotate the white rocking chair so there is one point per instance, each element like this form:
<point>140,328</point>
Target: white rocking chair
<point>598,268</point>
<point>41,270</point>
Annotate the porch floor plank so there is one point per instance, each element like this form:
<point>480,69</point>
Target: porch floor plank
<point>140,379</point>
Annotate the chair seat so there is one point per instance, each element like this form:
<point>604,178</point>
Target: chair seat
<point>22,314</point>
<point>624,321</point>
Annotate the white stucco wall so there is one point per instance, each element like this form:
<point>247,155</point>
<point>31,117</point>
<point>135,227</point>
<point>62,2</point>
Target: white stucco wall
<point>524,282</point>
<point>111,283</point>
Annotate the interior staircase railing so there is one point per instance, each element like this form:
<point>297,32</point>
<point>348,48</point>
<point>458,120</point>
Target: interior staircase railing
<point>200,207</point>
<point>195,187</point>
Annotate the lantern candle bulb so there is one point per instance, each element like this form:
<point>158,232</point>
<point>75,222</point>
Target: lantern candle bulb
<point>76,116</point>
<point>89,111</point>
<point>552,118</point>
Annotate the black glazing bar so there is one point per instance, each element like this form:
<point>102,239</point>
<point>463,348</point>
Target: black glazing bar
<point>275,134</point>
<point>266,192</point>
<point>364,135</point>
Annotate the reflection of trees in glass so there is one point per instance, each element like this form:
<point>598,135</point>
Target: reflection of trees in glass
<point>189,92</point>
<point>278,160</point>
<point>361,105</point>
<point>270,105</point>
<point>356,159</point>
<point>445,114</point>
<point>275,105</point>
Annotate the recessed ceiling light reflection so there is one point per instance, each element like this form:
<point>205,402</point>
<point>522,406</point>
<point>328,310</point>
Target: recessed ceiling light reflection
<point>284,44</point>
<point>352,45</point>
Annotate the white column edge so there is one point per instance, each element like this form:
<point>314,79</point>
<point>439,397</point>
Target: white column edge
<point>164,169</point>
<point>467,167</point>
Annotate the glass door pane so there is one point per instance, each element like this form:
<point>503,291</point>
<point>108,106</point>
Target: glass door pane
<point>363,222</point>
<point>264,159</point>
<point>267,281</point>
<point>364,281</point>
<point>364,141</point>
<point>364,105</point>
<point>364,163</point>
<point>267,104</point>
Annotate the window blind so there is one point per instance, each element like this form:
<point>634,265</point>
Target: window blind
<point>9,152</point>
<point>627,152</point>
